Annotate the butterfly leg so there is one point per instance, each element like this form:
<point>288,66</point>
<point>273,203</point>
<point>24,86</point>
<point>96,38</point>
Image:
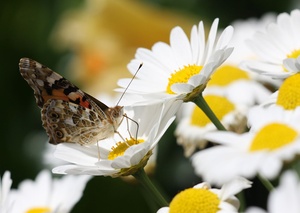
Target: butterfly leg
<point>137,125</point>
<point>122,138</point>
<point>98,150</point>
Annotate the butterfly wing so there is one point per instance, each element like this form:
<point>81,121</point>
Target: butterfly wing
<point>48,84</point>
<point>65,121</point>
<point>68,113</point>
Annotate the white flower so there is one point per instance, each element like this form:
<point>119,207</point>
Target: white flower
<point>237,85</point>
<point>119,157</point>
<point>288,94</point>
<point>177,69</point>
<point>285,197</point>
<point>5,194</point>
<point>194,124</point>
<point>208,199</point>
<point>243,30</point>
<point>276,47</point>
<point>46,194</point>
<point>274,139</point>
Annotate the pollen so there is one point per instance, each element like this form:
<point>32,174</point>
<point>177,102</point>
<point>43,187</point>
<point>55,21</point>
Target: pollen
<point>294,54</point>
<point>273,136</point>
<point>289,93</point>
<point>226,75</point>
<point>219,105</point>
<point>120,148</point>
<point>183,76</point>
<point>39,210</point>
<point>194,200</point>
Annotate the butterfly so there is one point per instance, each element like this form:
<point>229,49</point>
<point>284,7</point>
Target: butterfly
<point>68,114</point>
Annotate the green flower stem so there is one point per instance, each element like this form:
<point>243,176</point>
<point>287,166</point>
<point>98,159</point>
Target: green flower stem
<point>143,178</point>
<point>269,186</point>
<point>241,197</point>
<point>201,103</point>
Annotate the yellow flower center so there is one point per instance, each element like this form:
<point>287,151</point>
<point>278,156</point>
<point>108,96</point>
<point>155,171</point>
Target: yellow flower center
<point>219,105</point>
<point>182,76</point>
<point>289,93</point>
<point>195,201</point>
<point>121,147</point>
<point>294,54</point>
<point>272,137</point>
<point>39,210</point>
<point>227,74</point>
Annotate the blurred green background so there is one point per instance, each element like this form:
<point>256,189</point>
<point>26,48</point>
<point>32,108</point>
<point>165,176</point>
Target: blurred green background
<point>26,28</point>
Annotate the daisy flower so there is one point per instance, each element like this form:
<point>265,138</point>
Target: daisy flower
<point>283,198</point>
<point>194,124</point>
<point>278,48</point>
<point>203,198</point>
<point>46,194</point>
<point>121,156</point>
<point>274,139</point>
<point>5,194</point>
<point>288,94</point>
<point>244,30</point>
<point>181,69</point>
<point>237,85</point>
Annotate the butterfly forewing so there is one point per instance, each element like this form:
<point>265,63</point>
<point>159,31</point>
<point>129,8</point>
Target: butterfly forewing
<point>69,114</point>
<point>47,84</point>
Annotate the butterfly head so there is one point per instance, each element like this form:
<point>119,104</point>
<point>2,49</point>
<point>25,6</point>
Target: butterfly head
<point>116,115</point>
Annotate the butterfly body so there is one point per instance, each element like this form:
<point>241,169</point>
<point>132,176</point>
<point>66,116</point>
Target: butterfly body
<point>69,114</point>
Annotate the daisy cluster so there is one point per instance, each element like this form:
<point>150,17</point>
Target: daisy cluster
<point>233,96</point>
<point>239,118</point>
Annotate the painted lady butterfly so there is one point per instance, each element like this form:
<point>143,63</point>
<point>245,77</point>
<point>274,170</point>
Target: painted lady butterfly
<point>69,114</point>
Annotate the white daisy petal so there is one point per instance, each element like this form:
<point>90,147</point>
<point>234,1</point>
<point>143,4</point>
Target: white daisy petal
<point>234,187</point>
<point>181,47</point>
<point>195,45</point>
<point>6,196</point>
<point>202,45</point>
<point>225,38</point>
<point>197,80</point>
<point>164,51</point>
<point>182,88</point>
<point>211,38</point>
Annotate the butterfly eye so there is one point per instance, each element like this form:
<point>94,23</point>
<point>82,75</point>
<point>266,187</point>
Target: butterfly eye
<point>59,134</point>
<point>115,114</point>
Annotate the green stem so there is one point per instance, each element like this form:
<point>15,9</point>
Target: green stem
<point>143,178</point>
<point>201,103</point>
<point>241,197</point>
<point>269,186</point>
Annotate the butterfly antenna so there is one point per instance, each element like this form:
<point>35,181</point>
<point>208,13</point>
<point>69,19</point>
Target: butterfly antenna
<point>141,64</point>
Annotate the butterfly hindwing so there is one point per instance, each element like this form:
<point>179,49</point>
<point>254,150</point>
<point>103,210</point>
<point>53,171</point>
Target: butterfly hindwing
<point>68,122</point>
